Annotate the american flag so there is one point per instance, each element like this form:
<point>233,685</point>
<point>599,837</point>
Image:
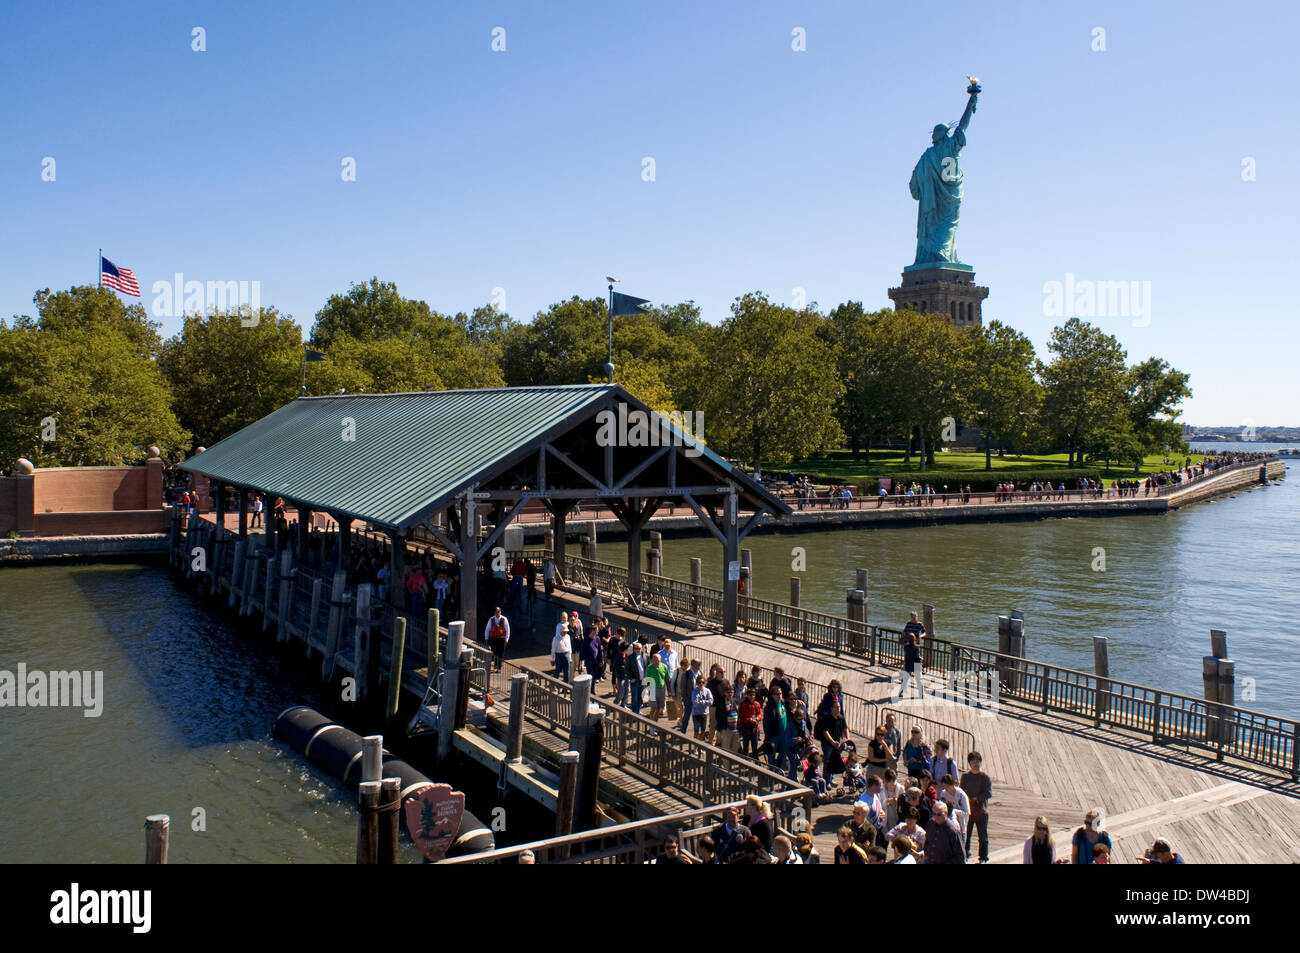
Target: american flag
<point>119,279</point>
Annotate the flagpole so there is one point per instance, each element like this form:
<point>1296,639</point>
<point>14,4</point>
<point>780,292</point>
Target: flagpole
<point>609,363</point>
<point>99,266</point>
<point>304,370</point>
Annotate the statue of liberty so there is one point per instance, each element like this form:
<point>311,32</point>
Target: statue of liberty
<point>936,185</point>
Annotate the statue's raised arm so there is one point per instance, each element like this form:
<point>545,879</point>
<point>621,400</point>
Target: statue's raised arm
<point>970,110</point>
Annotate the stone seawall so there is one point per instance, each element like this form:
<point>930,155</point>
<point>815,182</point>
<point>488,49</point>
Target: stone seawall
<point>1274,469</point>
<point>54,549</point>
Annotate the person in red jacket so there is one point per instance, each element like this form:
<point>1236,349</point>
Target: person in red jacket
<point>751,713</point>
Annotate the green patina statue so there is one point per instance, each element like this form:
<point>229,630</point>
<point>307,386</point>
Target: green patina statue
<point>936,185</point>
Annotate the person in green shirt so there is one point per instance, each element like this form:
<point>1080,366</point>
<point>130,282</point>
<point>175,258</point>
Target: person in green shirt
<point>656,674</point>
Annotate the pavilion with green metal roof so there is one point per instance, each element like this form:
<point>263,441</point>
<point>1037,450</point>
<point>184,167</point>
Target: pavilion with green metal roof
<point>431,460</point>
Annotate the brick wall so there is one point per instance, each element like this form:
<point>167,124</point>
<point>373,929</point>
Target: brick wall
<point>102,524</point>
<point>94,489</point>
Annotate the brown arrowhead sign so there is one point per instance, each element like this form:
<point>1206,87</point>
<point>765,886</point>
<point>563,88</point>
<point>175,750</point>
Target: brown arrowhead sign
<point>433,818</point>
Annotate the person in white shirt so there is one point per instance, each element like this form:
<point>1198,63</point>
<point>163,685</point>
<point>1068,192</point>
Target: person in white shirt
<point>871,798</point>
<point>668,655</point>
<point>562,650</point>
<point>596,607</point>
<point>957,800</point>
<point>904,850</point>
<point>548,576</point>
<point>910,829</point>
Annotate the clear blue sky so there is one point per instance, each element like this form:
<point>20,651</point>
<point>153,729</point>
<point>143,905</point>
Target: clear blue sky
<point>775,169</point>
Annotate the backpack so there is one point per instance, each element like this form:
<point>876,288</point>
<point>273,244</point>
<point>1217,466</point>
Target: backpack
<point>496,628</point>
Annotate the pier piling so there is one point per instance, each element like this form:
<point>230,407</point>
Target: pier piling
<point>368,822</point>
<point>155,838</point>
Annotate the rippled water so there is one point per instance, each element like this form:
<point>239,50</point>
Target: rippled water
<point>188,712</point>
<point>1232,563</point>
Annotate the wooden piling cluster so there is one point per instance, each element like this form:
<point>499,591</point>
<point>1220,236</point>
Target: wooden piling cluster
<point>351,629</point>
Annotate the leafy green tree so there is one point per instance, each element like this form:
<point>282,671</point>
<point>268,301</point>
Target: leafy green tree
<point>925,372</point>
<point>770,385</point>
<point>869,406</point>
<point>231,368</point>
<point>565,344</point>
<point>81,396</point>
<point>463,351</point>
<point>88,307</point>
<point>1004,395</point>
<point>1084,385</point>
<point>1154,395</point>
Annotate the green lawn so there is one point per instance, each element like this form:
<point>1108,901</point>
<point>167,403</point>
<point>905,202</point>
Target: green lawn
<point>840,465</point>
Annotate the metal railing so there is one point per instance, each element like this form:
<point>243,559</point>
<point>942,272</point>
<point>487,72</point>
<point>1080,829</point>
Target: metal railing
<point>631,843</point>
<point>696,770</point>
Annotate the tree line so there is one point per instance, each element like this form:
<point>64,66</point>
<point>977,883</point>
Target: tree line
<point>88,379</point>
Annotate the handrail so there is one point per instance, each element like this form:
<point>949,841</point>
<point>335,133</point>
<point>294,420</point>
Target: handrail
<point>630,839</point>
<point>939,730</point>
<point>701,770</point>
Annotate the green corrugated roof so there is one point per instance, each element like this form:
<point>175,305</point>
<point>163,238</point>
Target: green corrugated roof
<point>411,450</point>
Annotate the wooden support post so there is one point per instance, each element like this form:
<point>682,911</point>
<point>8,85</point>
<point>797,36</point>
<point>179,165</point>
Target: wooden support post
<point>468,543</point>
<point>395,666</point>
<point>654,562</point>
<point>432,647</point>
<point>591,537</point>
<point>591,740</point>
<point>657,540</point>
<point>861,581</point>
<point>390,796</point>
<point>214,561</point>
<point>272,587</point>
<point>515,726</point>
<point>796,587</point>
<point>249,579</point>
<point>579,708</point>
<point>242,497</point>
<point>364,651</point>
<point>335,626</point>
<point>1017,646</point>
<point>155,838</point>
<point>317,591</point>
<point>730,564</point>
<point>1004,649</point>
<point>237,571</point>
<point>567,798</point>
<point>1218,643</point>
<point>858,635</point>
<point>288,590</point>
<point>1227,701</point>
<point>548,544</point>
<point>697,571</point>
<point>450,689</point>
<point>461,711</point>
<point>368,822</point>
<point>1101,666</point>
<point>372,758</point>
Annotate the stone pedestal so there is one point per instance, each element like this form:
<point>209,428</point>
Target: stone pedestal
<point>944,289</point>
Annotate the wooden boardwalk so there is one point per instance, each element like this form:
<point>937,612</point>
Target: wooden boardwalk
<point>1060,767</point>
